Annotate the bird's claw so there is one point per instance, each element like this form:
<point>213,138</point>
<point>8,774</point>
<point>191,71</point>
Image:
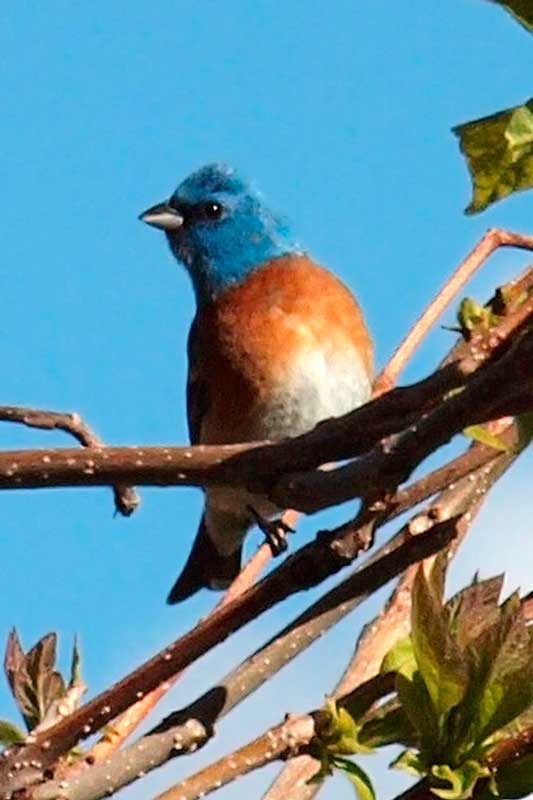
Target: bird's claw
<point>275,531</point>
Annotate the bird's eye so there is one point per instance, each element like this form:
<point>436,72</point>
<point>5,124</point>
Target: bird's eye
<point>212,211</point>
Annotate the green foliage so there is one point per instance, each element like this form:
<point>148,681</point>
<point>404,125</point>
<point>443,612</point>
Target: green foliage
<point>10,733</point>
<point>439,660</point>
<point>474,661</point>
<point>461,780</point>
<point>358,778</point>
<point>472,316</point>
<point>481,434</point>
<point>521,10</point>
<point>525,429</point>
<point>463,684</point>
<point>499,154</point>
<point>514,779</point>
<point>340,735</point>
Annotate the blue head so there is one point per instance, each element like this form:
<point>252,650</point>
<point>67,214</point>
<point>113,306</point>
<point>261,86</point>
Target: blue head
<point>220,229</point>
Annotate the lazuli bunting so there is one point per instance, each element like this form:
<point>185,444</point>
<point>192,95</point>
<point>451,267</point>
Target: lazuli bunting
<point>278,344</point>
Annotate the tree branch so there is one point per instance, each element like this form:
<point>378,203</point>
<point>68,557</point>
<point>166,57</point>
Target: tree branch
<point>262,468</point>
<point>262,464</point>
<point>491,241</point>
<point>126,498</point>
<point>500,388</point>
<point>279,742</point>
<point>186,730</point>
<point>60,738</point>
<point>379,636</point>
<point>267,747</point>
<point>125,725</point>
<point>289,577</point>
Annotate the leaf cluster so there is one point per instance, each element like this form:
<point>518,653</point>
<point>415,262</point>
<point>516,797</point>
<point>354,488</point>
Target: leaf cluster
<point>40,691</point>
<point>463,683</point>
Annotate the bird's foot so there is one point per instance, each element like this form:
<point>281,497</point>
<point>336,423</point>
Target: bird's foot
<point>275,531</point>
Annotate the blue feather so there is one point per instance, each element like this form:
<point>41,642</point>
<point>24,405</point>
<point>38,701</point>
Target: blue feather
<point>220,253</point>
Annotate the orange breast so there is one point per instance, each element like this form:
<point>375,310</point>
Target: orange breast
<point>248,340</point>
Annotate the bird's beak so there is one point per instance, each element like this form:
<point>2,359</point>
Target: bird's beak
<point>162,216</point>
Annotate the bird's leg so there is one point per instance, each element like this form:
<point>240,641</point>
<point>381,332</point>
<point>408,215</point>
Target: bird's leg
<point>275,531</point>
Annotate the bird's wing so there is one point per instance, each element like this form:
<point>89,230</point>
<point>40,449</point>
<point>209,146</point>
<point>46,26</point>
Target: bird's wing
<point>197,387</point>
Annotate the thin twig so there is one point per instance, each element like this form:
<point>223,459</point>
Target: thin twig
<point>123,727</point>
<point>101,706</point>
<point>504,753</point>
<point>82,787</point>
<point>439,383</point>
<point>503,387</point>
<point>278,742</point>
<point>261,466</point>
<point>126,498</point>
<point>379,636</point>
<point>186,730</point>
<point>491,241</point>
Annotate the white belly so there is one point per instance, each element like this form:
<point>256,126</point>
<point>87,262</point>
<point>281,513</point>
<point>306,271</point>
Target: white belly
<point>319,386</point>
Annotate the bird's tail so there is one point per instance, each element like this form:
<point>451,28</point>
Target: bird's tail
<point>205,567</point>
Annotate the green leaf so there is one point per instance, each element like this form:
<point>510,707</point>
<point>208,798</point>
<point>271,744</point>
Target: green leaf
<point>517,725</point>
<point>462,779</point>
<point>481,434</point>
<point>521,10</point>
<point>358,777</point>
<point>418,707</point>
<point>502,669</point>
<point>524,423</point>
<point>400,659</point>
<point>34,682</point>
<point>343,734</point>
<point>440,661</point>
<point>499,154</point>
<point>10,733</point>
<point>75,666</point>
<point>387,724</point>
<point>516,778</point>
<point>410,762</point>
<point>474,610</point>
<point>472,316</point>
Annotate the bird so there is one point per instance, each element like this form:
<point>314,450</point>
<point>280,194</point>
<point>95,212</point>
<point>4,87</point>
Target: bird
<point>278,344</point>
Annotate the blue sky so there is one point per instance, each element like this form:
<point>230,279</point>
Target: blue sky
<point>341,114</point>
